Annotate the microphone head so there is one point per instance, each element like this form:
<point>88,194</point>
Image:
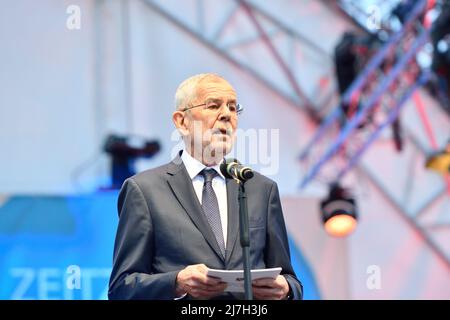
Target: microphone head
<point>247,174</point>
<point>224,167</point>
<point>230,167</point>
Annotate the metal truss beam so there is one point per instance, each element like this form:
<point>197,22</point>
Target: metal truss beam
<point>366,108</point>
<point>213,38</point>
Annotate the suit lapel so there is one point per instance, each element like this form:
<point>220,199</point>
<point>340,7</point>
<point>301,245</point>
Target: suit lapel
<point>233,217</point>
<point>182,187</point>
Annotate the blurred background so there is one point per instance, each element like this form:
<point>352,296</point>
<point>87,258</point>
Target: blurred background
<point>356,94</point>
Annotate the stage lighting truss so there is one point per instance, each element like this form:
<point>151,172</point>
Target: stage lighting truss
<point>238,30</point>
<point>381,18</point>
<point>375,99</point>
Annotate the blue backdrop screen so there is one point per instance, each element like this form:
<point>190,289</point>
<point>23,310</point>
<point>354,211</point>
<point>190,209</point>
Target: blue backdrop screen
<point>56,247</point>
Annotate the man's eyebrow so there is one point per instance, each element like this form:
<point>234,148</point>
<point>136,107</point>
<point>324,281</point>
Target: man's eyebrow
<point>214,100</point>
<point>218,100</point>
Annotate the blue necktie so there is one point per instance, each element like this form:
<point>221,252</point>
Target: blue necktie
<point>211,207</point>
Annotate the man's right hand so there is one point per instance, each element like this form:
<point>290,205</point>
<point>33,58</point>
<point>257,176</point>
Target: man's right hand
<point>194,281</point>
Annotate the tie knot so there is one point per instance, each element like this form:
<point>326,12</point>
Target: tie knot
<point>209,174</point>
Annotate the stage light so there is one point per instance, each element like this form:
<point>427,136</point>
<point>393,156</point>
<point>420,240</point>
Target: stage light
<point>350,55</point>
<point>440,36</point>
<point>439,161</point>
<point>339,214</point>
<point>124,150</point>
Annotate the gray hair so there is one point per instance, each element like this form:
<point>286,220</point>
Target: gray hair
<point>187,90</point>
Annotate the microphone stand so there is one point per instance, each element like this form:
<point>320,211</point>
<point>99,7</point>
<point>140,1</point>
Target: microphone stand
<point>245,239</point>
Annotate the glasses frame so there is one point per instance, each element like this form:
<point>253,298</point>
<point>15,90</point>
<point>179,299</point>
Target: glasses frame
<point>239,107</point>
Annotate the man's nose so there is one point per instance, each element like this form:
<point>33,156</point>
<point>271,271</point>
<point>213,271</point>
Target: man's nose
<point>225,113</point>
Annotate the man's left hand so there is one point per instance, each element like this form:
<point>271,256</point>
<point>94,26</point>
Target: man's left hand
<point>270,289</point>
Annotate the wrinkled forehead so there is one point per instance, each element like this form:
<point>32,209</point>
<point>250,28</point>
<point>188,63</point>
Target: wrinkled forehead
<point>215,88</point>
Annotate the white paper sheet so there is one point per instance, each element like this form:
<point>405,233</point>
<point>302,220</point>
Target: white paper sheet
<point>235,278</point>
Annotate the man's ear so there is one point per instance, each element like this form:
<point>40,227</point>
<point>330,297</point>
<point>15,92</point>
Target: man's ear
<point>178,118</point>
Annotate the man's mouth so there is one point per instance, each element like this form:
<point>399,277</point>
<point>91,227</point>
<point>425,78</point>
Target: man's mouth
<point>222,131</point>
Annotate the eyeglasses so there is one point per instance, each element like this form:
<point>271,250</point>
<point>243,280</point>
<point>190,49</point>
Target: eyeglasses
<point>215,106</point>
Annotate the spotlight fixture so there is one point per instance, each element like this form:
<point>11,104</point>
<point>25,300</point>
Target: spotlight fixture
<point>439,161</point>
<point>440,37</point>
<point>339,214</point>
<point>124,150</point>
<point>351,54</point>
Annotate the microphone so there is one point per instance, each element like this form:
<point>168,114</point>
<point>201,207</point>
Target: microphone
<point>232,169</point>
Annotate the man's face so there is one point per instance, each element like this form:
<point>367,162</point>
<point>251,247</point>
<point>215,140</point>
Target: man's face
<point>210,132</point>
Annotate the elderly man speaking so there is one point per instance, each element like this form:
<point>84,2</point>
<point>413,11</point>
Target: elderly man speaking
<point>180,219</point>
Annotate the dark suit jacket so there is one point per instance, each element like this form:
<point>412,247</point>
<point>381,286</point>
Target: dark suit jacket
<point>162,229</point>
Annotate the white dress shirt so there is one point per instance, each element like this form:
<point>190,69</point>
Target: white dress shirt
<point>194,167</point>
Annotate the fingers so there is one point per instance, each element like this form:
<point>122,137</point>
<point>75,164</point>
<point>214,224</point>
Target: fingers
<point>194,281</point>
<point>208,292</point>
<point>203,279</point>
<point>279,282</point>
<point>207,283</point>
<point>268,288</point>
<point>211,281</point>
<point>268,293</point>
<point>265,282</point>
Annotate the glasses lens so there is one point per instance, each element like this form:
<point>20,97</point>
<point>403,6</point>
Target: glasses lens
<point>239,108</point>
<point>212,106</point>
<point>215,107</point>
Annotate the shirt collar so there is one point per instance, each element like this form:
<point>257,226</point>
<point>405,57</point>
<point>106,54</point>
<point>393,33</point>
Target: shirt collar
<point>194,167</point>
